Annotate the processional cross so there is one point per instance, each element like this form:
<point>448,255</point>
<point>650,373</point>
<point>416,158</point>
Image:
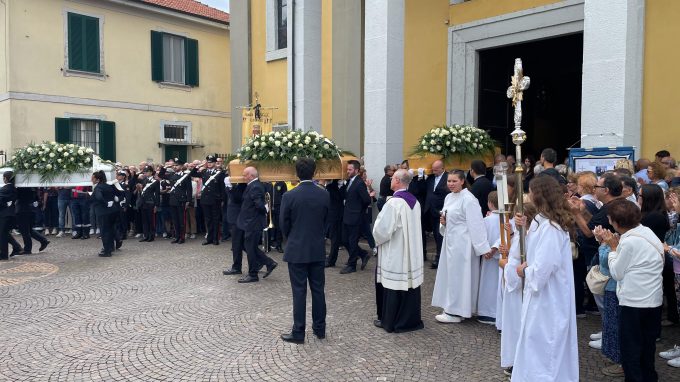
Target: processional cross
<point>518,84</point>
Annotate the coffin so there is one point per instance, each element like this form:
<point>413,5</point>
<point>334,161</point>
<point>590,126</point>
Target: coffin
<point>456,162</point>
<point>83,178</point>
<point>285,172</point>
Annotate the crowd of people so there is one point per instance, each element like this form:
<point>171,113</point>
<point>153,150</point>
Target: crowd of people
<point>606,244</point>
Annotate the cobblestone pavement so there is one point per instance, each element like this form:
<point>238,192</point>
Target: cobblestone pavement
<point>157,311</point>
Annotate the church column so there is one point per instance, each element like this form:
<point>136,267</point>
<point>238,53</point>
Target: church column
<point>239,30</point>
<point>613,49</point>
<point>384,84</point>
<point>304,64</point>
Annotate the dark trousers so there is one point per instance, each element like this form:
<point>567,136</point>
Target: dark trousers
<point>147,221</point>
<point>579,281</point>
<point>226,227</point>
<point>212,221</point>
<point>51,213</point>
<point>122,224</point>
<point>237,237</point>
<point>177,214</point>
<point>335,235</point>
<point>25,226</point>
<point>108,230</point>
<point>434,223</point>
<point>6,224</point>
<point>300,274</point>
<point>350,238</point>
<point>669,290</point>
<point>256,258</point>
<point>275,234</point>
<point>80,208</point>
<point>638,328</point>
<point>200,219</point>
<point>366,231</point>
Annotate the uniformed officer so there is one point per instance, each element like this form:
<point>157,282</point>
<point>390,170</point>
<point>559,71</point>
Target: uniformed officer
<point>8,196</point>
<point>212,195</point>
<point>148,199</point>
<point>179,198</point>
<point>26,199</point>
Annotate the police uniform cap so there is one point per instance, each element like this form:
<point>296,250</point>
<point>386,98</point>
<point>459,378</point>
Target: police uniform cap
<point>211,159</point>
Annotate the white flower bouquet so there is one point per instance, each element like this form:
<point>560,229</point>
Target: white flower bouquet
<point>287,146</point>
<point>50,160</point>
<point>462,140</point>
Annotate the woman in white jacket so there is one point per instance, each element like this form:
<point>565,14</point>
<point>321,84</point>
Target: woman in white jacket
<point>636,262</point>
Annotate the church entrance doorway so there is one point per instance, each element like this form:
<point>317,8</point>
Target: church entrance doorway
<point>552,105</point>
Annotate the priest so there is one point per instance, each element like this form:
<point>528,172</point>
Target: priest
<point>399,273</point>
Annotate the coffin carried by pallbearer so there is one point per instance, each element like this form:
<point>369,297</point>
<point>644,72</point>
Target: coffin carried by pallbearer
<point>51,164</point>
<point>274,155</point>
<point>455,145</point>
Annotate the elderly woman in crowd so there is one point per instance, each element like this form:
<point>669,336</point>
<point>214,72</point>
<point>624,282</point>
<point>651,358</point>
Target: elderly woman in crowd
<point>636,263</point>
<point>657,174</point>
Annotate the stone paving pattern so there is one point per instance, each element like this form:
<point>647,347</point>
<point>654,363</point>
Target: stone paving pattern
<point>162,312</point>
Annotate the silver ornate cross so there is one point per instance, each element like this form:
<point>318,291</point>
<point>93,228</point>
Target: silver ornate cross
<point>519,83</point>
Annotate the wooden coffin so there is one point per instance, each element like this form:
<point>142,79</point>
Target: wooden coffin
<point>285,172</point>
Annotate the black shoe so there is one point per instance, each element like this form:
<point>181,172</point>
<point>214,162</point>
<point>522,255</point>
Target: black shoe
<point>279,249</point>
<point>320,335</point>
<point>364,261</point>
<point>248,279</point>
<point>43,245</point>
<point>152,238</point>
<point>206,242</point>
<point>16,252</point>
<point>377,323</point>
<point>434,265</point>
<point>24,252</point>
<point>77,236</point>
<point>289,338</point>
<point>329,265</point>
<point>270,269</point>
<point>104,254</point>
<point>348,269</point>
<point>216,242</point>
<point>142,240</point>
<point>231,271</point>
<point>181,241</point>
<point>119,243</point>
<point>85,236</point>
<point>174,241</point>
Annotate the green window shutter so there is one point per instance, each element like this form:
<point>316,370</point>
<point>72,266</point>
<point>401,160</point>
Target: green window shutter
<point>107,140</point>
<point>83,43</point>
<point>156,56</point>
<point>75,41</point>
<point>62,130</point>
<point>91,44</point>
<point>191,62</point>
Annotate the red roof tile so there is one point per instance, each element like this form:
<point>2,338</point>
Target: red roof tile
<point>192,7</point>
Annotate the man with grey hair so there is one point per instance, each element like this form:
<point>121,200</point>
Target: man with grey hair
<point>399,272</point>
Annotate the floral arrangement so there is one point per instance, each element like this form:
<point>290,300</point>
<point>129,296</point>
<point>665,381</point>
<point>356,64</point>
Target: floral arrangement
<point>455,140</point>
<point>287,146</point>
<point>51,159</point>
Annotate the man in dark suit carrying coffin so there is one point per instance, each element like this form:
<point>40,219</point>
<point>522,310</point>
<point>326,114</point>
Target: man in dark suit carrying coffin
<point>356,201</point>
<point>436,191</point>
<point>304,211</point>
<point>252,220</point>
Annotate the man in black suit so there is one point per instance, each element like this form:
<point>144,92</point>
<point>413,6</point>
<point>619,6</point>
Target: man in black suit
<point>25,219</point>
<point>8,197</point>
<point>481,185</point>
<point>334,221</point>
<point>356,201</point>
<point>179,198</point>
<point>235,199</point>
<point>212,194</point>
<point>252,220</point>
<point>304,211</point>
<point>435,193</point>
<point>148,200</point>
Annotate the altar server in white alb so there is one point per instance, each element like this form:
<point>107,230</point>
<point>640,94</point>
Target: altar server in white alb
<point>488,279</point>
<point>462,225</point>
<point>547,349</point>
<point>510,310</point>
<point>399,274</point>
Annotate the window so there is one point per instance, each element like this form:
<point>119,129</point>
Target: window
<point>175,133</point>
<point>85,133</point>
<point>83,43</point>
<point>98,135</point>
<point>174,59</point>
<point>281,24</point>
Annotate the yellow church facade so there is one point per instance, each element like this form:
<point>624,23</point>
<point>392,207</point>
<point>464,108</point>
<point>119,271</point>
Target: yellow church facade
<point>376,74</point>
<point>133,80</point>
